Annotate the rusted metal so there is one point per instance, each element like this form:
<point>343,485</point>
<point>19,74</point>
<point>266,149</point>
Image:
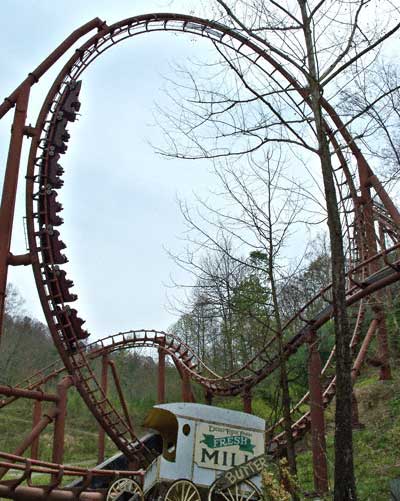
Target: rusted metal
<point>29,439</point>
<point>247,401</point>
<point>38,72</point>
<point>59,423</point>
<point>386,200</point>
<point>181,23</point>
<point>41,493</point>
<point>186,388</point>
<point>22,463</point>
<point>10,191</point>
<point>10,391</point>
<point>161,376</point>
<point>104,387</point>
<point>37,412</point>
<point>121,397</point>
<point>320,467</point>
<point>364,347</point>
<point>365,278</point>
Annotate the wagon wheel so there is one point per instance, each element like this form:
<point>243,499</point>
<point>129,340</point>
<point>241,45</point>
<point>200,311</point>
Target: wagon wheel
<point>182,490</point>
<point>125,485</point>
<point>245,491</point>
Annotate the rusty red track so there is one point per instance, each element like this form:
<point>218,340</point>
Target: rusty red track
<point>369,270</point>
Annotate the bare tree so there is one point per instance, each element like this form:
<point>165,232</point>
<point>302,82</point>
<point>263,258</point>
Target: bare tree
<point>242,103</point>
<point>258,214</point>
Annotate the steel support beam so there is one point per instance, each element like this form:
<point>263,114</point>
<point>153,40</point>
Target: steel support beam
<point>364,348</point>
<point>37,412</point>
<point>40,70</point>
<point>9,194</point>
<point>121,398</point>
<point>161,376</point>
<point>59,424</point>
<point>9,391</point>
<point>247,402</point>
<point>186,387</point>
<point>29,439</point>
<point>104,387</point>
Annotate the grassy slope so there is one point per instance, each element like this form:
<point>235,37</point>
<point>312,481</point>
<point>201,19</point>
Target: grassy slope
<point>376,446</point>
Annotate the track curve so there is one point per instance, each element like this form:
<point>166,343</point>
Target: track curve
<point>44,181</point>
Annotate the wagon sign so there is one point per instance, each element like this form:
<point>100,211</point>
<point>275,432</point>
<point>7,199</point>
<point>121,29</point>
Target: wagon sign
<point>223,447</point>
<point>243,472</point>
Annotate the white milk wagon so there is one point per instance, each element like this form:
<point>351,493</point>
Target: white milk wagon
<point>201,444</point>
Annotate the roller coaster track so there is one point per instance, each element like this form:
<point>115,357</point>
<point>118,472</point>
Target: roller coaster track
<point>44,179</point>
<point>184,356</point>
<point>232,384</point>
<point>23,485</point>
<point>368,270</point>
<point>172,346</point>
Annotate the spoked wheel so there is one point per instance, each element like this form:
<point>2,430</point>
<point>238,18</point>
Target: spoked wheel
<point>125,485</point>
<point>245,491</point>
<point>183,490</point>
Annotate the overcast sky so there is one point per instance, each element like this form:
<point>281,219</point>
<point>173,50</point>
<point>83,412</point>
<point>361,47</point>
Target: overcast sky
<point>119,197</point>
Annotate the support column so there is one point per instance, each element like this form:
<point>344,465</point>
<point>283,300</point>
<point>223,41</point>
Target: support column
<point>247,401</point>
<point>208,396</point>
<point>368,179</point>
<point>122,400</point>
<point>37,413</point>
<point>104,387</point>
<point>364,348</point>
<point>36,431</point>
<point>10,191</point>
<point>317,420</point>
<point>186,387</point>
<point>161,376</point>
<point>59,423</point>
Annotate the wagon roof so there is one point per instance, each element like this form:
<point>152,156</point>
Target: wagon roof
<point>211,414</point>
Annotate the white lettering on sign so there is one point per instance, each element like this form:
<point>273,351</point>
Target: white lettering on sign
<point>223,447</point>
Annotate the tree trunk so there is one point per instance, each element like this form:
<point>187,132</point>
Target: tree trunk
<point>345,488</point>
<point>287,418</point>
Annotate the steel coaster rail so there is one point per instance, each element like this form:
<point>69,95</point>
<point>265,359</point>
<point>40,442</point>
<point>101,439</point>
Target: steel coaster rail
<point>77,363</point>
<point>52,284</point>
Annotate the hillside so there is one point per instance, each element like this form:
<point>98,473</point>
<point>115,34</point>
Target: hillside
<point>376,444</point>
<point>27,347</point>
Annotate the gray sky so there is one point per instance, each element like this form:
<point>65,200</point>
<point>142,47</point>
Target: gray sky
<point>119,197</point>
